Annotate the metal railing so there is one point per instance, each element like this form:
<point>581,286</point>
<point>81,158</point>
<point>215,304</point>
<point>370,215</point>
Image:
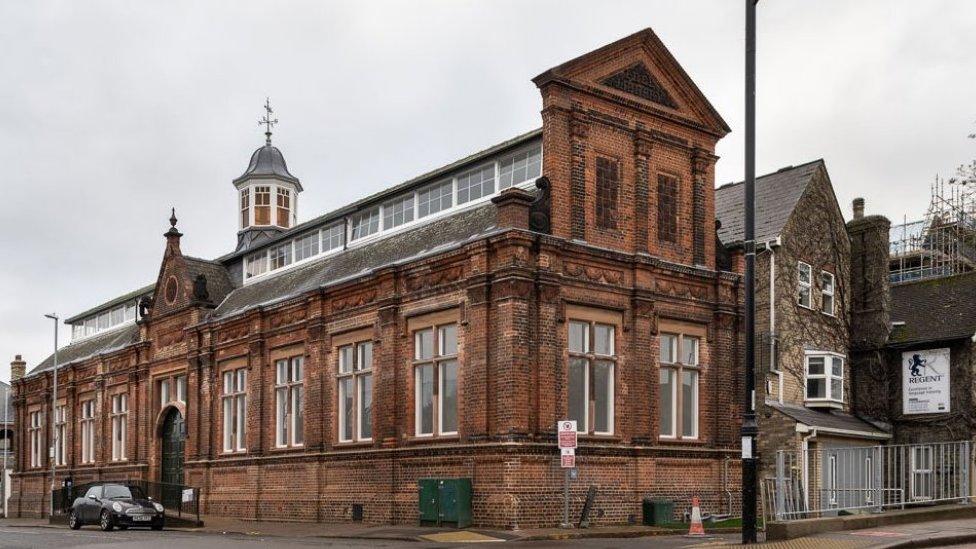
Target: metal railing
<point>179,501</point>
<point>827,481</point>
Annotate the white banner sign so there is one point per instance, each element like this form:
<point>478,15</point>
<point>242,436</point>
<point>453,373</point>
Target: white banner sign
<point>925,381</point>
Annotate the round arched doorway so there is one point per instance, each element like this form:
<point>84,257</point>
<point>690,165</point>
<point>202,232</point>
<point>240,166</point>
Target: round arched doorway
<point>171,465</point>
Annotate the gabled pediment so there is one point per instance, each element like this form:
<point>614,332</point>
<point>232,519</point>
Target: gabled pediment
<point>639,70</point>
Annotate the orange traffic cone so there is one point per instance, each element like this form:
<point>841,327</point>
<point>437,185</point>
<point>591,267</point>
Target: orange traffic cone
<point>696,529</point>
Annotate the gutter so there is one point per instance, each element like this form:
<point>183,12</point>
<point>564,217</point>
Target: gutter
<point>771,246</point>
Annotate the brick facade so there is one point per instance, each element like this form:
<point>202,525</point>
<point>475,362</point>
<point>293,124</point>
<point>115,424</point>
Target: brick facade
<point>511,295</point>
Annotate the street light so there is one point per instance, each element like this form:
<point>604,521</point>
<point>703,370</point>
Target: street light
<point>750,429</point>
<point>54,409</point>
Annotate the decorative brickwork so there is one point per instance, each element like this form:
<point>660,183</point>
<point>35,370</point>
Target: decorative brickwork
<point>508,296</point>
<point>637,80</point>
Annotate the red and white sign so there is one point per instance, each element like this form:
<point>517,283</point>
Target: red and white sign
<point>567,461</point>
<point>567,435</point>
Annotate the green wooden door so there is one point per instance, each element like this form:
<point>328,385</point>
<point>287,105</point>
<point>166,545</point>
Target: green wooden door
<point>171,467</point>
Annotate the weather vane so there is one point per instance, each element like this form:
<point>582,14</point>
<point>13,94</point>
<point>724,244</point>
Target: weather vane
<point>267,120</point>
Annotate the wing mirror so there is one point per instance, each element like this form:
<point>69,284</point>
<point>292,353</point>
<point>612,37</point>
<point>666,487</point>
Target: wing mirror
<point>93,497</point>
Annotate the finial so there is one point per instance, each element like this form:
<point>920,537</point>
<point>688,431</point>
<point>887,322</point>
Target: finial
<point>267,120</point>
<point>172,218</point>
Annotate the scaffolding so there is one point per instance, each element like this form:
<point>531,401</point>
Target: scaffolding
<point>941,244</point>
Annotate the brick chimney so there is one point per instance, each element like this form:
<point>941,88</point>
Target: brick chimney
<point>870,298</point>
<point>17,368</point>
<point>870,306</point>
<point>513,208</point>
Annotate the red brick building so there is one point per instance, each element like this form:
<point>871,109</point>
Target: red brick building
<point>439,328</point>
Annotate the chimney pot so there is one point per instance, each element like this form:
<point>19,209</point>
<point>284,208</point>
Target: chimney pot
<point>858,208</point>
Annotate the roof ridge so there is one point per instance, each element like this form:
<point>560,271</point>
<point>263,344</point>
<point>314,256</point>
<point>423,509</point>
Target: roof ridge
<point>784,169</point>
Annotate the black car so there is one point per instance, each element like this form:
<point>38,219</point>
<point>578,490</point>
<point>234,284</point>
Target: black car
<point>111,505</point>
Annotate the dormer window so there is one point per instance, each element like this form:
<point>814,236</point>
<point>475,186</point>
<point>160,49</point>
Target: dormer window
<point>262,205</point>
<point>824,379</point>
<point>284,207</point>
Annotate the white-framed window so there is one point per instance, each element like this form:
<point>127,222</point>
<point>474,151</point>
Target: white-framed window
<point>279,256</point>
<point>88,431</point>
<point>90,326</point>
<point>130,311</point>
<point>825,377</point>
<point>234,401</point>
<point>306,246</point>
<point>355,383</point>
<point>435,198</point>
<point>284,207</point>
<point>60,434</point>
<point>333,237</point>
<point>590,387</point>
<point>476,183</point>
<point>256,264</point>
<point>364,223</point>
<point>120,412</point>
<point>436,380</point>
<point>678,377</point>
<point>519,167</point>
<point>262,205</point>
<point>106,320</point>
<point>827,292</point>
<point>398,211</point>
<point>290,396</point>
<point>34,433</point>
<point>245,208</point>
<point>804,279</point>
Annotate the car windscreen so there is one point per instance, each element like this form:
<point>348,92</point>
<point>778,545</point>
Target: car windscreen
<point>114,491</point>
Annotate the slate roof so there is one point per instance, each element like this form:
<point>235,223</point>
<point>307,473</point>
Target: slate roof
<point>219,283</point>
<point>937,309</point>
<point>5,396</point>
<point>90,346</point>
<point>776,196</point>
<point>145,290</point>
<point>434,237</point>
<point>268,161</point>
<point>830,419</point>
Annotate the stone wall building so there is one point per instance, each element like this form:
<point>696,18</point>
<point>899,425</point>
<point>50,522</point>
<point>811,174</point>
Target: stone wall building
<point>439,328</point>
<point>803,321</point>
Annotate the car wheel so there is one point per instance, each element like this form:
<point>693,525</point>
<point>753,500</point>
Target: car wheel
<point>73,521</point>
<point>106,522</point>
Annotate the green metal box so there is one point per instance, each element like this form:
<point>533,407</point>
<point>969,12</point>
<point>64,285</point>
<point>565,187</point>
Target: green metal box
<point>657,512</point>
<point>445,500</point>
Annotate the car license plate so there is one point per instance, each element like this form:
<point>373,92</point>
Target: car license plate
<point>141,518</point>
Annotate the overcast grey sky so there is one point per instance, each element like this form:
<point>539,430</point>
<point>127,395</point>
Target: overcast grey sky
<point>111,112</point>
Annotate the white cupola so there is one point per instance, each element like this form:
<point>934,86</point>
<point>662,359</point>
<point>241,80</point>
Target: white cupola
<point>267,192</point>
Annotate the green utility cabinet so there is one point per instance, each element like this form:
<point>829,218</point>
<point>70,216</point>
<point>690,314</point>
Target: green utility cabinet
<point>657,512</point>
<point>445,500</point>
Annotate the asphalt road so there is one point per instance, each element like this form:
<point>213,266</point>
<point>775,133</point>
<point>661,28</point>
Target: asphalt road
<point>25,537</point>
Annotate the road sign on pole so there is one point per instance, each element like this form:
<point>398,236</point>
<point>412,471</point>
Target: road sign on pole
<point>566,437</point>
<point>567,433</point>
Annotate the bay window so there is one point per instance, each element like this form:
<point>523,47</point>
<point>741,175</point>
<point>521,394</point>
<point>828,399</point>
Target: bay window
<point>824,378</point>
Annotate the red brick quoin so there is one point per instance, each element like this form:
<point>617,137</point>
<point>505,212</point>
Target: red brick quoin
<point>627,108</point>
